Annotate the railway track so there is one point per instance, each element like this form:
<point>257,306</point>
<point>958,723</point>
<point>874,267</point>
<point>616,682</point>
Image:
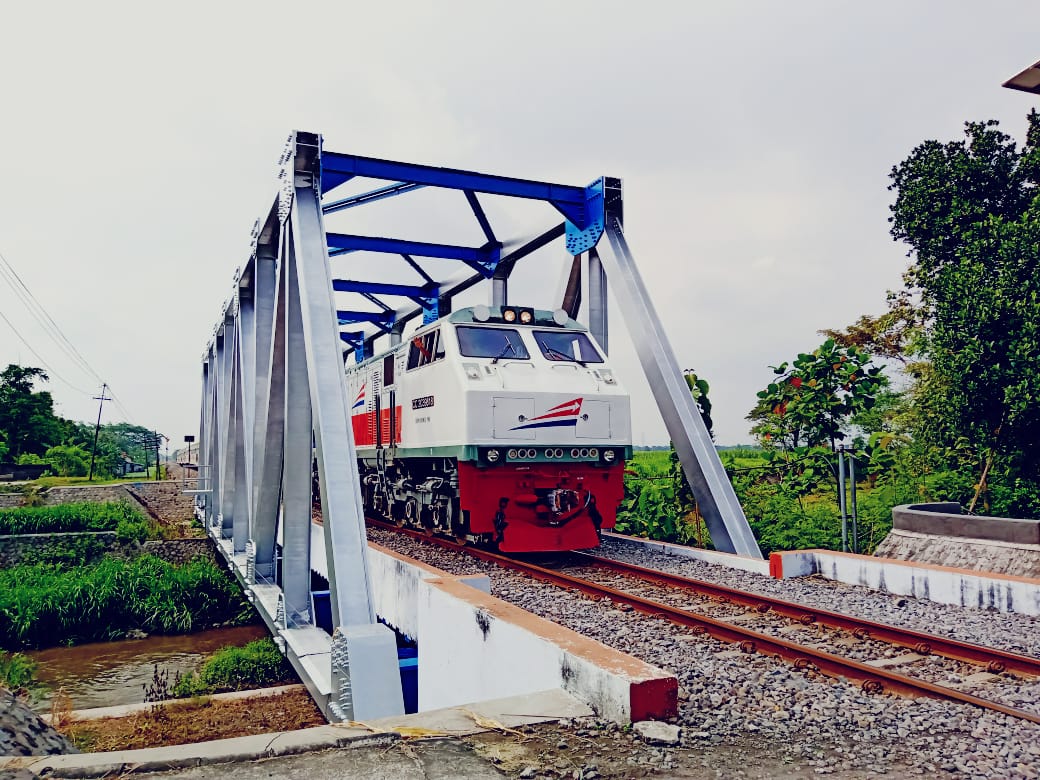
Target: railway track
<point>872,677</point>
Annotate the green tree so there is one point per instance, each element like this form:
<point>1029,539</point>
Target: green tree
<point>27,418</point>
<point>814,398</point>
<point>970,213</point>
<point>68,460</point>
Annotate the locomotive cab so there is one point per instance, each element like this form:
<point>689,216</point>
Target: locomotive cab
<point>505,425</point>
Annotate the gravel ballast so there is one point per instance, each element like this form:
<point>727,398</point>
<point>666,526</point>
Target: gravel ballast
<point>727,695</point>
<point>1014,633</point>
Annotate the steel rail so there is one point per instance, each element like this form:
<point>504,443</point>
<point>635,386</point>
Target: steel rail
<point>924,644</point>
<point>872,679</point>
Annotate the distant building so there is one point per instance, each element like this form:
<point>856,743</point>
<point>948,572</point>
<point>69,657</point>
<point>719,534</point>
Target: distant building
<point>10,472</point>
<point>126,466</point>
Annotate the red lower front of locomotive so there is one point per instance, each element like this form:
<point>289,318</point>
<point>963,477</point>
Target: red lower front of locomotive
<point>540,507</point>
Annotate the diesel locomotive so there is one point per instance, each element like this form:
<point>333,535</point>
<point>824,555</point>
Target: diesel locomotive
<point>500,425</point>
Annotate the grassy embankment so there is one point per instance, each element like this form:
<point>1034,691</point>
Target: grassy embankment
<point>57,596</point>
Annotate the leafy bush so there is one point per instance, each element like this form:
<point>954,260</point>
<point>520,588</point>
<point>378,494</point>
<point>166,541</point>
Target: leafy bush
<point>119,516</point>
<point>257,665</point>
<point>44,604</point>
<point>17,672</point>
<point>68,460</point>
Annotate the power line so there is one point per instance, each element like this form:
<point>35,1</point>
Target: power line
<point>51,371</point>
<point>40,314</point>
<point>47,322</point>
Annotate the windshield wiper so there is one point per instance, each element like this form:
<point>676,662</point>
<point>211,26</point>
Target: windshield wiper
<point>564,356</point>
<point>507,348</point>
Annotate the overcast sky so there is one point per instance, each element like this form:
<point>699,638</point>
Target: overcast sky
<point>754,140</point>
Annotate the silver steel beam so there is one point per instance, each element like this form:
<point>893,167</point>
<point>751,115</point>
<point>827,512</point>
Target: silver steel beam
<point>296,467</point>
<point>499,291</point>
<point>246,334</point>
<point>711,487</point>
<point>270,414</point>
<point>598,300</point>
<point>366,678</point>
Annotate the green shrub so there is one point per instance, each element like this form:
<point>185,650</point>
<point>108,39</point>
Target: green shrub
<point>119,516</point>
<point>17,672</point>
<point>257,665</point>
<point>45,604</point>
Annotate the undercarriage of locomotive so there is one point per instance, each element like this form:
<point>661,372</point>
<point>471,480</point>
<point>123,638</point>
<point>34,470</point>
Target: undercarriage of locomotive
<point>529,506</point>
<point>418,492</point>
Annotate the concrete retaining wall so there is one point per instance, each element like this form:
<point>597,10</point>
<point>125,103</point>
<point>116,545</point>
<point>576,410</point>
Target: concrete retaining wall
<point>164,499</point>
<point>74,493</point>
<point>86,546</point>
<point>986,557</point>
<point>942,584</point>
<point>17,548</point>
<point>945,519</point>
<point>473,646</point>
<point>180,551</point>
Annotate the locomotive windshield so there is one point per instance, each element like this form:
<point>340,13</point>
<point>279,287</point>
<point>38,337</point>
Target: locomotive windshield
<point>497,343</point>
<point>566,345</point>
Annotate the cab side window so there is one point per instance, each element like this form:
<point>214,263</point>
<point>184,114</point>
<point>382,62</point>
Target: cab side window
<point>425,349</point>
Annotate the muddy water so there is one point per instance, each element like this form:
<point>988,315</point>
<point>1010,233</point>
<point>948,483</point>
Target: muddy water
<point>103,674</point>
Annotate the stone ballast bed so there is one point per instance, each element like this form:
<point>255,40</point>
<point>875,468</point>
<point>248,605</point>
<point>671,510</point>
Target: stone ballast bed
<point>728,695</point>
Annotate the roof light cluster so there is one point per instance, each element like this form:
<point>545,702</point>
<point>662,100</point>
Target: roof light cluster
<point>519,315</point>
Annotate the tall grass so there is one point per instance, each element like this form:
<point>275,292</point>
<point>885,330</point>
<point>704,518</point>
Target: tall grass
<point>43,604</point>
<point>258,664</point>
<point>118,516</point>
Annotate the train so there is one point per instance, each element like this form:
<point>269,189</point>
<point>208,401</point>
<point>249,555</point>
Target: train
<point>504,426</point>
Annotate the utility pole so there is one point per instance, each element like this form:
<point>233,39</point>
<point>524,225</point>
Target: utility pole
<point>97,428</point>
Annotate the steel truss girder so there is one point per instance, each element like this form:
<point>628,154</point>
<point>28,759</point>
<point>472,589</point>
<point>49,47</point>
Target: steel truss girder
<point>570,201</point>
<point>274,393</point>
<point>483,259</point>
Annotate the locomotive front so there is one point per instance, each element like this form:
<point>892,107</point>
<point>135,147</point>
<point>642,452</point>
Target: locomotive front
<point>504,425</point>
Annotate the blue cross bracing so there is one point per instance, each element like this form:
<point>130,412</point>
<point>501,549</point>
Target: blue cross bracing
<point>581,207</point>
<point>572,202</point>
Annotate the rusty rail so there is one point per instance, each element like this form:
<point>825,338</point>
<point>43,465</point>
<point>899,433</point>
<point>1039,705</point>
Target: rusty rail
<point>924,644</point>
<point>871,679</point>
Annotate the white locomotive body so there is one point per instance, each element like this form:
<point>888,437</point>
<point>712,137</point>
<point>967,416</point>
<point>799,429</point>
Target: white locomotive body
<point>501,424</point>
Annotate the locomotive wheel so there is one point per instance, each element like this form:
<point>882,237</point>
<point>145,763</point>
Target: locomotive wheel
<point>455,521</point>
<point>411,512</point>
<point>426,517</point>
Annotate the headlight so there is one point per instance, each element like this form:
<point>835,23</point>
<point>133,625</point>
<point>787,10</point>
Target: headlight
<point>493,456</point>
<point>511,455</point>
<point>526,315</point>
<point>472,370</point>
<point>608,456</point>
<point>593,452</point>
<point>509,315</point>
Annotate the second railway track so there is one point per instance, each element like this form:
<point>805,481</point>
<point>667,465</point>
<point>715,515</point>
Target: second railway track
<point>873,676</point>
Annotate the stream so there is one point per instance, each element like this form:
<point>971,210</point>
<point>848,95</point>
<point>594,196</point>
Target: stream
<point>103,674</point>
